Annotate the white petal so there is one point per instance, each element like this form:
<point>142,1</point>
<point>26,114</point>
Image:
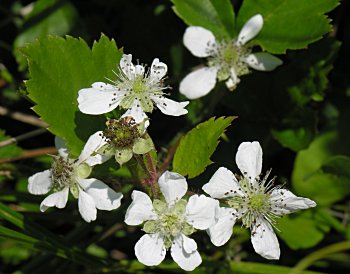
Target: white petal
<point>233,81</point>
<point>189,244</point>
<point>173,186</point>
<point>87,206</point>
<point>99,99</point>
<point>199,41</point>
<point>60,145</point>
<point>264,240</point>
<point>284,202</point>
<point>263,61</point>
<point>250,29</point>
<point>40,183</point>
<point>187,261</point>
<point>150,249</point>
<point>137,113</point>
<point>222,184</point>
<point>140,210</point>
<point>199,82</point>
<point>104,197</point>
<point>170,107</point>
<point>249,159</point>
<point>158,70</point>
<point>139,70</point>
<point>127,66</point>
<point>221,231</point>
<point>200,211</point>
<point>94,143</point>
<point>57,199</point>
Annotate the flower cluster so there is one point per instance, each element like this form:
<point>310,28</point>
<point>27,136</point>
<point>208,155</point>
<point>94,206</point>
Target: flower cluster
<point>169,217</point>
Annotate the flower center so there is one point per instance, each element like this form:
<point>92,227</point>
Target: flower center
<point>228,56</point>
<point>171,221</point>
<point>138,84</point>
<point>62,172</point>
<point>259,202</point>
<point>121,133</point>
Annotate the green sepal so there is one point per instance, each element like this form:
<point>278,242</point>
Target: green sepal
<point>167,242</point>
<point>159,206</point>
<point>150,226</point>
<point>106,150</point>
<point>83,170</point>
<point>123,155</point>
<point>142,146</point>
<point>180,207</point>
<point>188,229</point>
<point>74,189</point>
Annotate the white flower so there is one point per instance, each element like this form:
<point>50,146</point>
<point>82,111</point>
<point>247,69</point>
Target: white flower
<point>69,175</point>
<point>170,222</point>
<point>227,60</point>
<point>252,199</point>
<point>135,90</point>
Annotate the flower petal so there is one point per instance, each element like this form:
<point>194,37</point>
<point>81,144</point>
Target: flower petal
<point>187,261</point>
<point>199,82</point>
<point>60,145</point>
<point>140,210</point>
<point>93,144</point>
<point>221,231</point>
<point>189,244</point>
<point>140,70</point>
<point>233,81</point>
<point>137,113</point>
<point>285,202</point>
<point>99,99</point>
<point>263,61</point>
<point>249,159</point>
<point>57,199</point>
<point>158,70</point>
<point>264,240</point>
<point>250,29</point>
<point>170,107</point>
<point>104,197</point>
<point>173,186</point>
<point>127,66</point>
<point>200,211</point>
<point>40,183</point>
<point>150,249</point>
<point>87,206</point>
<point>222,184</point>
<point>199,41</point>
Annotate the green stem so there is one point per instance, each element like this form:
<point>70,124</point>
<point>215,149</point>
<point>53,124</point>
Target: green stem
<point>319,254</point>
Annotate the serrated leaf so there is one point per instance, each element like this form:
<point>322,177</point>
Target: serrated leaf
<point>215,15</point>
<point>47,17</point>
<point>193,154</point>
<point>59,68</point>
<point>288,24</point>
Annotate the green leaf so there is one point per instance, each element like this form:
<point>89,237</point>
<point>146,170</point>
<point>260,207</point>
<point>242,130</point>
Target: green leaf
<point>215,15</point>
<point>193,154</point>
<point>59,68</point>
<point>47,17</point>
<point>319,173</point>
<point>312,232</point>
<point>8,151</point>
<point>296,130</point>
<point>288,24</point>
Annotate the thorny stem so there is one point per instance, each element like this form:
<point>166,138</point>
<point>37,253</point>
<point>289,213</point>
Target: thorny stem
<point>150,170</point>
